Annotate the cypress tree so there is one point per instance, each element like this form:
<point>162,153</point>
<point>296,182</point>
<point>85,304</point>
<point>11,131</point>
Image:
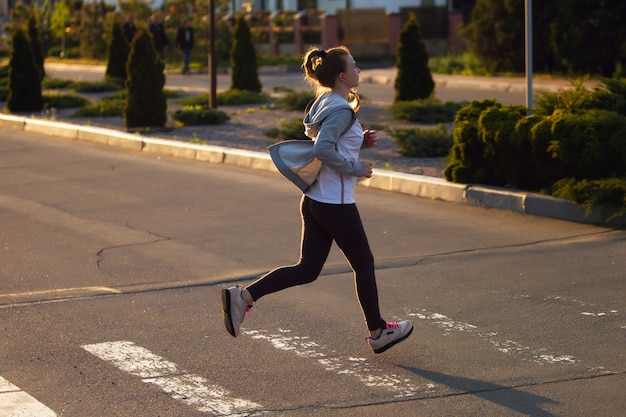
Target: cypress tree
<point>244,73</point>
<point>146,105</point>
<point>117,52</point>
<point>36,43</point>
<point>413,80</point>
<point>24,76</point>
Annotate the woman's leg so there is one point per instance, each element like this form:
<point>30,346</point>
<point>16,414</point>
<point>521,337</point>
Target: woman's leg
<point>315,246</point>
<point>344,224</point>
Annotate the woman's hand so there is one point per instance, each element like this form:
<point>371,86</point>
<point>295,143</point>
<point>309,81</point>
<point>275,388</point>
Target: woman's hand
<point>367,169</point>
<point>369,138</point>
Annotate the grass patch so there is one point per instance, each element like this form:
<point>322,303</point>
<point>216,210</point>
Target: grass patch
<point>294,100</point>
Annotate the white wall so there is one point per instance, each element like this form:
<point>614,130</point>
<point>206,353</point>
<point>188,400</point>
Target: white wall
<point>331,6</point>
<point>391,6</point>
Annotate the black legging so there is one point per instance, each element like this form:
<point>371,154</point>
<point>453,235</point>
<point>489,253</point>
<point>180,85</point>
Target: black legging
<point>321,224</point>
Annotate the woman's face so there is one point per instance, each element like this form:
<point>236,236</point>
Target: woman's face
<point>351,72</point>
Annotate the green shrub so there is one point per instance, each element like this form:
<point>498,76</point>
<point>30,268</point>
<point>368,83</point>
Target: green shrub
<point>609,95</point>
<point>506,153</point>
<point>108,84</point>
<point>244,73</point>
<point>117,52</point>
<point>36,43</point>
<point>191,116</point>
<point>467,160</point>
<point>102,108</point>
<point>24,76</point>
<point>4,73</point>
<point>610,192</point>
<point>287,129</point>
<point>57,84</point>
<point>413,80</point>
<point>199,100</point>
<point>63,101</point>
<point>463,64</point>
<point>591,145</point>
<point>430,110</point>
<point>228,98</point>
<point>146,105</point>
<point>235,97</point>
<point>296,100</point>
<point>423,143</point>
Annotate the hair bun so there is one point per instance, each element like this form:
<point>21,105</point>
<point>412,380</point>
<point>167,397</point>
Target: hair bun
<point>321,53</point>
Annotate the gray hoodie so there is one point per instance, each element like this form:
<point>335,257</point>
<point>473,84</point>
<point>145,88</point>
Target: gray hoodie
<point>329,118</point>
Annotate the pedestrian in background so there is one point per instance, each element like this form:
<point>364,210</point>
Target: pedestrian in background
<point>184,42</point>
<point>129,28</point>
<point>158,35</point>
<point>328,209</point>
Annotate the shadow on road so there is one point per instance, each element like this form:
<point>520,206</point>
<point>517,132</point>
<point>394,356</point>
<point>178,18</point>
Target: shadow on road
<point>509,397</point>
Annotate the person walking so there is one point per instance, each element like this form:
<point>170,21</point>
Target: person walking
<point>158,35</point>
<point>130,30</point>
<point>184,42</point>
<point>328,209</point>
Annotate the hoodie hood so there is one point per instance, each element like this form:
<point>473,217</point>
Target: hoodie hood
<point>321,108</point>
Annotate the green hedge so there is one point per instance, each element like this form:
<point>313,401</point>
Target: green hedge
<point>574,146</point>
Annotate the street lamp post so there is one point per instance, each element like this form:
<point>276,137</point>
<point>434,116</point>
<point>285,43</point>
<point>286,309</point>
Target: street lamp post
<point>529,55</point>
<point>212,58</point>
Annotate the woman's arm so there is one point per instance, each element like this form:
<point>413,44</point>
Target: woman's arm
<point>326,143</point>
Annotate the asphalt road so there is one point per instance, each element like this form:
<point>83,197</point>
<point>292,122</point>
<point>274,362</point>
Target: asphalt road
<point>113,261</point>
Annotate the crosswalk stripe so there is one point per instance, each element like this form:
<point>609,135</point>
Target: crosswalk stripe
<point>191,389</point>
<point>15,402</point>
<point>507,346</point>
<point>359,368</point>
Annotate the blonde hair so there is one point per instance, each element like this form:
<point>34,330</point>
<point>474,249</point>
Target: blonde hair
<point>322,68</point>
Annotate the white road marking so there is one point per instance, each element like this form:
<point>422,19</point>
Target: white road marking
<point>16,403</point>
<point>503,345</point>
<point>360,368</point>
<point>191,389</point>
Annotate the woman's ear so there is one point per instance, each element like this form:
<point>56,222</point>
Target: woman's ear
<point>342,76</point>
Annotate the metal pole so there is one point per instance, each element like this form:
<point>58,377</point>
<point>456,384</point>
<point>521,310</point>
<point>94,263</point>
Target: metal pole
<point>212,58</point>
<point>529,55</point>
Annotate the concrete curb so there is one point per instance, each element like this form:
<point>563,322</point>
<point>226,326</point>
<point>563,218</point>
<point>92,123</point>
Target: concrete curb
<point>410,184</point>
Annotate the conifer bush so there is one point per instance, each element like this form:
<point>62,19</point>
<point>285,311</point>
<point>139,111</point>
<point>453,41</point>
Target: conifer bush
<point>244,73</point>
<point>413,80</point>
<point>117,52</point>
<point>146,104</point>
<point>24,76</point>
<point>36,43</point>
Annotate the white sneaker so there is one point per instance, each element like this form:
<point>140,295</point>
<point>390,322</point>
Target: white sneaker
<point>234,309</point>
<point>393,333</point>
